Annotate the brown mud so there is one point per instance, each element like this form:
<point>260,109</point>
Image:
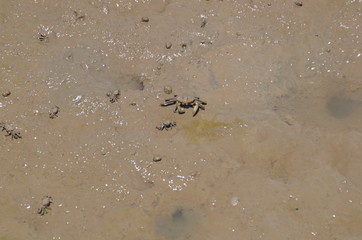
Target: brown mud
<point>276,154</point>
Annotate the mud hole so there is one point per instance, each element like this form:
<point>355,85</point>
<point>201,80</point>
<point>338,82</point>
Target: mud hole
<point>276,154</point>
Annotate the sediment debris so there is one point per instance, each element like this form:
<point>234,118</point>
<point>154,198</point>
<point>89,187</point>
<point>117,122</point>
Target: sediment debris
<point>167,89</point>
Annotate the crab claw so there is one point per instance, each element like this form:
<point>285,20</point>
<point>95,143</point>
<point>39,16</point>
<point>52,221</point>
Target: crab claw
<point>171,99</point>
<point>196,110</point>
<point>167,103</point>
<point>201,106</point>
<point>181,110</point>
<point>202,102</point>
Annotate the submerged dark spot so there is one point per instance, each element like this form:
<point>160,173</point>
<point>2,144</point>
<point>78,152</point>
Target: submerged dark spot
<point>178,224</point>
<point>138,83</point>
<point>133,82</point>
<point>340,107</point>
<point>178,215</point>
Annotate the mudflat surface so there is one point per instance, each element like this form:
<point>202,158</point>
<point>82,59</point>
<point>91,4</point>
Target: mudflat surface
<point>276,154</point>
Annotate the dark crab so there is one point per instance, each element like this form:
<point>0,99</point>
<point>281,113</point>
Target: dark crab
<point>10,130</point>
<point>167,124</point>
<point>53,113</point>
<point>114,96</point>
<point>46,201</point>
<point>183,102</point>
<point>43,37</point>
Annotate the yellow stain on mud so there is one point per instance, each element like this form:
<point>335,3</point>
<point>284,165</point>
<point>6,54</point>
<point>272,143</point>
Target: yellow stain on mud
<point>208,130</point>
<point>5,238</point>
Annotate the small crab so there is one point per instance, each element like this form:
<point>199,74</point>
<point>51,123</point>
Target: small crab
<point>53,113</point>
<point>183,102</point>
<point>43,37</point>
<point>13,133</point>
<point>10,131</point>
<point>167,124</point>
<point>113,96</point>
<point>46,201</point>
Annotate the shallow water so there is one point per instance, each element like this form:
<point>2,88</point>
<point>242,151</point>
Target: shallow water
<point>275,155</point>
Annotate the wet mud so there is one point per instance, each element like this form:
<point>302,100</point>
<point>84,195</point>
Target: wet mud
<point>88,152</point>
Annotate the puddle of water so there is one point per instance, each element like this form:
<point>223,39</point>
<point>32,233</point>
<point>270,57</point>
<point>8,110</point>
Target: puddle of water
<point>177,224</point>
<point>340,107</point>
<point>321,104</point>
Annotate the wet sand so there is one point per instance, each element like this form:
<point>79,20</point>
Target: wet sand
<point>276,154</point>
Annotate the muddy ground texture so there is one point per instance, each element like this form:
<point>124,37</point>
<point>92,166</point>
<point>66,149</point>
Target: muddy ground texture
<point>275,154</point>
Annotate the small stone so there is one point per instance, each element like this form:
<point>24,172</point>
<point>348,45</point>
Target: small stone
<point>168,45</point>
<point>78,15</point>
<point>203,23</point>
<point>157,158</point>
<point>6,93</point>
<point>235,201</point>
<point>167,89</point>
<point>145,19</point>
<point>299,4</point>
<point>195,174</point>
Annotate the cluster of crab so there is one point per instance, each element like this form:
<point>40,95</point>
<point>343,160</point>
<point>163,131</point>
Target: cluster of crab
<point>53,113</point>
<point>10,130</point>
